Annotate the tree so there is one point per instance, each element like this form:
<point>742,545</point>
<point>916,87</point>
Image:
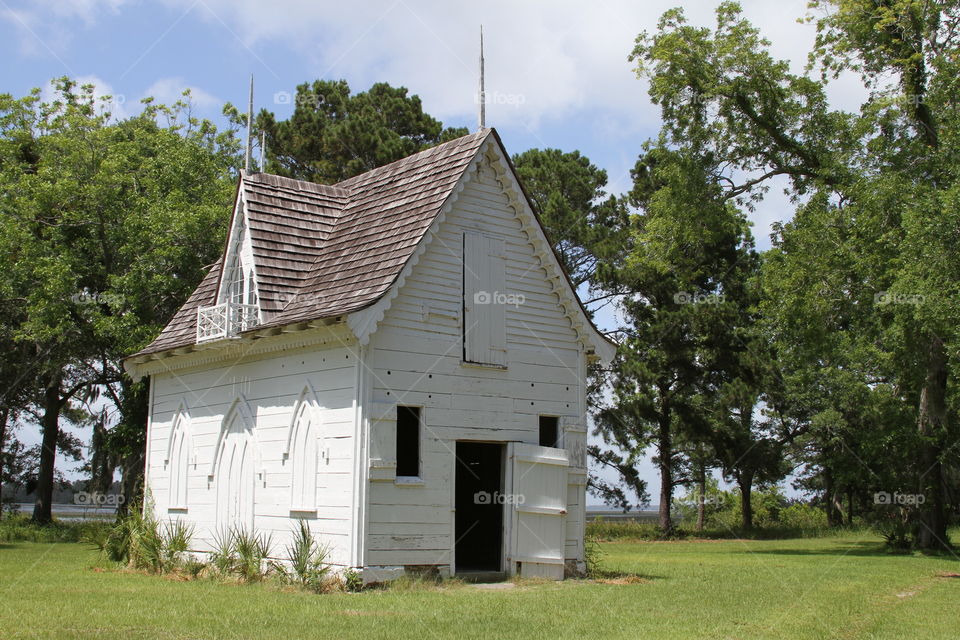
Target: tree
<point>681,254</point>
<point>333,134</point>
<point>880,184</point>
<point>106,228</point>
<point>569,193</point>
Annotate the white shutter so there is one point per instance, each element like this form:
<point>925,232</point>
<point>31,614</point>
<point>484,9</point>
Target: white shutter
<point>539,496</point>
<point>474,342</point>
<point>497,279</point>
<point>484,305</point>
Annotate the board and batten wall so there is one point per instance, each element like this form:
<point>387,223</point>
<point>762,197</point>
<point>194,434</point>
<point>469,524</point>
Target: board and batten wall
<point>415,358</point>
<point>271,385</point>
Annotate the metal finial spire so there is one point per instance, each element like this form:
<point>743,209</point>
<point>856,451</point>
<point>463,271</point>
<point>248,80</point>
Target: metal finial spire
<point>482,118</point>
<point>263,150</point>
<point>246,160</point>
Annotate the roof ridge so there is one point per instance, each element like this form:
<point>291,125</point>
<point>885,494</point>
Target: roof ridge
<point>276,180</point>
<point>343,245</point>
<point>309,276</point>
<point>411,158</point>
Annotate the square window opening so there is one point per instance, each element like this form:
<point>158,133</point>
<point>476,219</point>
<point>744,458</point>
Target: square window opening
<point>549,431</point>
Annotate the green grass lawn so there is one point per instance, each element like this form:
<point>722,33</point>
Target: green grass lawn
<point>834,587</point>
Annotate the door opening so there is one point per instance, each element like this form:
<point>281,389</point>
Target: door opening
<point>479,507</point>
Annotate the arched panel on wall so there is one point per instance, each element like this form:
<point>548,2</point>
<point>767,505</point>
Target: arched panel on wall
<point>179,458</point>
<point>303,451</point>
<point>234,468</point>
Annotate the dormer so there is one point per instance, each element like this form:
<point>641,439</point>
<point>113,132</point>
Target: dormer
<point>238,304</point>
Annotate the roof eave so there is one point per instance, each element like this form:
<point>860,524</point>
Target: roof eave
<point>133,364</point>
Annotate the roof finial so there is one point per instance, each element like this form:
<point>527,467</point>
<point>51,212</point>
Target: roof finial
<point>482,119</point>
<point>263,150</point>
<point>246,159</point>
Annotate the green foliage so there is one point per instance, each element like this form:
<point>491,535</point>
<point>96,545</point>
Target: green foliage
<point>252,550</point>
<point>593,555</point>
<point>19,527</point>
<point>242,553</point>
<point>333,134</point>
<point>223,557</point>
<point>137,541</point>
<point>306,564</point>
<point>177,535</point>
<point>772,512</point>
<point>774,517</point>
<point>860,300</point>
<point>801,516</point>
<point>140,541</point>
<point>683,379</point>
<point>352,580</point>
<point>574,208</point>
<point>601,530</point>
<point>106,226</point>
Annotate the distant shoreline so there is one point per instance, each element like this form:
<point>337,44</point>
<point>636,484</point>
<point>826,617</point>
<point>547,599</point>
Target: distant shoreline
<point>67,510</point>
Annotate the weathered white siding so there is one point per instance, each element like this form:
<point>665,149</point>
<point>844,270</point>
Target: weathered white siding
<point>416,357</point>
<point>270,385</point>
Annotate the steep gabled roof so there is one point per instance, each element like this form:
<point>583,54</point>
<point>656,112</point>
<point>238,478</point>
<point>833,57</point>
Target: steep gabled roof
<point>290,223</point>
<point>182,328</point>
<point>323,251</point>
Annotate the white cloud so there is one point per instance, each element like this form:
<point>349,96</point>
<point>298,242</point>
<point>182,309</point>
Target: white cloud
<point>547,65</point>
<point>48,26</point>
<point>169,90</point>
<point>544,63</point>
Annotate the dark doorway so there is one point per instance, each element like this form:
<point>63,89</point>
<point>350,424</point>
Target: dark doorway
<point>479,506</point>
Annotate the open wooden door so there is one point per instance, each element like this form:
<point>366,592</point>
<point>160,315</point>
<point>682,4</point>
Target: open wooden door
<point>539,499</point>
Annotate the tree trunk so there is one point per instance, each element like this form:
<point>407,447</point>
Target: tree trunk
<point>50,424</point>
<point>665,455</point>
<point>745,484</point>
<point>4,415</point>
<point>131,484</point>
<point>932,424</point>
<point>834,518</point>
<point>701,495</point>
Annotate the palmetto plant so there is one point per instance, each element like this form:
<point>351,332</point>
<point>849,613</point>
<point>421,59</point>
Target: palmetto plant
<point>251,551</point>
<point>223,558</point>
<point>306,560</point>
<point>176,541</point>
<point>142,542</point>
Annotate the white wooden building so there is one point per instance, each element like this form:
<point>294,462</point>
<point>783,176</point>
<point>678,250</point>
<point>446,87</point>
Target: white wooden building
<point>398,358</point>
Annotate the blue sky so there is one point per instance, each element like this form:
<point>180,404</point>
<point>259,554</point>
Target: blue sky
<point>557,73</point>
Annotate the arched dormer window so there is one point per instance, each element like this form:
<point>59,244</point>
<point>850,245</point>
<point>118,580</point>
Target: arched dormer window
<point>240,285</point>
<point>238,304</point>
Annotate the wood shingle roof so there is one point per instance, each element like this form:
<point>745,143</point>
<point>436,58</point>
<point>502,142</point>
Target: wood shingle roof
<point>322,251</point>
